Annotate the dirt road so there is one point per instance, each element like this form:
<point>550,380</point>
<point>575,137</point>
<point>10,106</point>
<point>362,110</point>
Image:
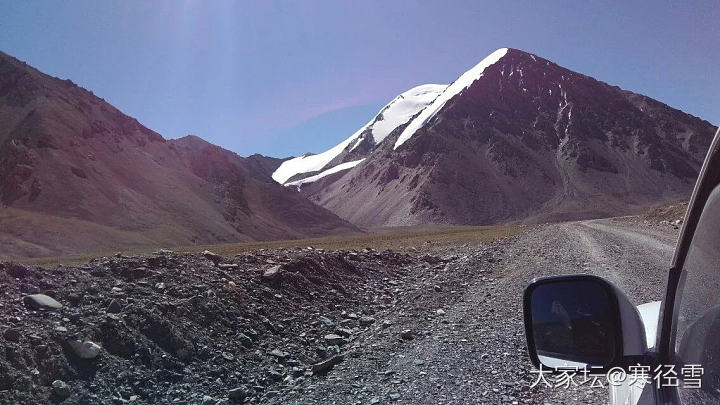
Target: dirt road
<point>465,319</point>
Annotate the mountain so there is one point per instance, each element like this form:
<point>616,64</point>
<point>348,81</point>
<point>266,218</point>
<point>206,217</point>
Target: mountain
<point>262,167</point>
<point>76,174</point>
<point>515,138</point>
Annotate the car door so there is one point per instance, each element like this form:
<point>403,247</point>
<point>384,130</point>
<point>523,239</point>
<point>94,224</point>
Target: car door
<point>689,342</point>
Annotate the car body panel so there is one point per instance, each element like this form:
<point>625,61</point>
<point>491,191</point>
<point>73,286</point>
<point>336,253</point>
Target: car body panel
<point>639,393</point>
<point>650,317</point>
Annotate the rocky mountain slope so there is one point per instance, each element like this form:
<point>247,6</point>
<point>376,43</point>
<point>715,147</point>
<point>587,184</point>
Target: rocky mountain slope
<point>76,174</point>
<point>518,138</point>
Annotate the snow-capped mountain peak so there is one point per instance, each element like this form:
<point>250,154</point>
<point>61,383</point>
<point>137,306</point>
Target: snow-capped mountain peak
<point>462,83</point>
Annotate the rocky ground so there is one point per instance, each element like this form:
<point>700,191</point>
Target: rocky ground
<point>433,324</point>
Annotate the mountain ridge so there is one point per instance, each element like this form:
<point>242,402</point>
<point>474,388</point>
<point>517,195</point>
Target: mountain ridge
<point>74,166</point>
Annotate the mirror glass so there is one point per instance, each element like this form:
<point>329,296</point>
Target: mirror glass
<point>573,323</point>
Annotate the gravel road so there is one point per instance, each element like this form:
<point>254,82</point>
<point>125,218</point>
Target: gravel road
<point>466,342</point>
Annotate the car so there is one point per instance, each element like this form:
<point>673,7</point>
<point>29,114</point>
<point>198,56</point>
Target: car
<point>583,322</point>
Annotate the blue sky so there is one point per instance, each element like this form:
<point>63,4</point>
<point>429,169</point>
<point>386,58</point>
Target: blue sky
<point>284,78</point>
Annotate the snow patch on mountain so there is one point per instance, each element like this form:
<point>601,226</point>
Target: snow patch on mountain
<point>403,108</point>
<point>396,113</point>
<point>462,83</point>
<point>335,169</point>
<point>310,163</point>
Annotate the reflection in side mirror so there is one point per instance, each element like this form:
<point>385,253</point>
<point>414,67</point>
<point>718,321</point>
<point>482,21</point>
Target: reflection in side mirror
<point>572,321</point>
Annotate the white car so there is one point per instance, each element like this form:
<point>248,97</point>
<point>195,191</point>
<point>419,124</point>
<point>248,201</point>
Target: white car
<point>657,353</point>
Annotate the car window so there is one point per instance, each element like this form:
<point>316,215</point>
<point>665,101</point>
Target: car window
<point>697,339</point>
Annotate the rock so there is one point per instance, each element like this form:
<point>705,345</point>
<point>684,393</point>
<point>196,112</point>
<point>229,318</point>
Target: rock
<point>237,394</point>
<point>297,372</point>
<point>208,400</point>
<point>331,351</point>
<point>85,350</point>
<point>366,320</point>
<point>41,301</point>
<point>274,375</point>
<point>333,339</point>
<point>343,332</point>
<point>327,365</point>
<point>114,307</point>
<point>386,324</point>
<point>244,340</point>
<point>213,257</point>
<point>61,389</point>
<point>272,275</point>
<point>440,312</point>
<point>326,321</point>
<point>429,259</point>
<point>271,394</point>
<point>407,334</point>
<point>347,323</point>
<point>228,266</point>
<point>394,396</point>
<point>16,270</point>
<point>279,354</point>
<point>12,334</point>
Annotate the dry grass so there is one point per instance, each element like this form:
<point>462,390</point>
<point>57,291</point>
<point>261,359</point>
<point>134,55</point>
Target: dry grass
<point>395,238</point>
<point>670,212</point>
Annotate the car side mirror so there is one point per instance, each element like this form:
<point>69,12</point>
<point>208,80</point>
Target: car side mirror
<point>580,321</point>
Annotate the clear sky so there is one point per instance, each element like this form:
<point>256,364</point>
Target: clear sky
<point>284,78</point>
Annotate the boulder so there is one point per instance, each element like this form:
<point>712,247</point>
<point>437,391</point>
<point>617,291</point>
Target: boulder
<point>244,340</point>
<point>272,275</point>
<point>407,334</point>
<point>279,354</point>
<point>85,350</point>
<point>114,307</point>
<point>366,320</point>
<point>333,339</point>
<point>326,365</point>
<point>61,389</point>
<point>41,301</point>
<point>237,394</point>
<point>213,257</point>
